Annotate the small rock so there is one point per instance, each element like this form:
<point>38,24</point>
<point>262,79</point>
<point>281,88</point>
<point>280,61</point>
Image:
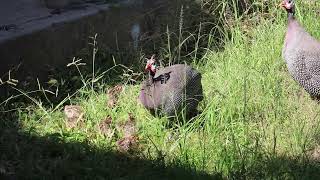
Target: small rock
<point>315,154</point>
<point>74,114</point>
<point>172,137</point>
<point>130,138</point>
<point>105,127</point>
<point>112,102</point>
<point>127,143</point>
<point>128,128</point>
<point>115,91</point>
<point>113,95</point>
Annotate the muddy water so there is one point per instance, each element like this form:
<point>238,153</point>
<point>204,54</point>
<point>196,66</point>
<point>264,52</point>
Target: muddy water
<point>119,26</point>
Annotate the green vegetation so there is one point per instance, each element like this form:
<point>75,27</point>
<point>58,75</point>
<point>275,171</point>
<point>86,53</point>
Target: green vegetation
<point>256,122</point>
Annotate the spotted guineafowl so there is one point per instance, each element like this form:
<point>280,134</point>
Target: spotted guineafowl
<point>302,53</point>
<point>171,89</point>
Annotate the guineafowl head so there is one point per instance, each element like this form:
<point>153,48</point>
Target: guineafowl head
<point>289,6</point>
<point>151,66</point>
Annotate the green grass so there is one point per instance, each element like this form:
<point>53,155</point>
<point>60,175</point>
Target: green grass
<point>256,122</point>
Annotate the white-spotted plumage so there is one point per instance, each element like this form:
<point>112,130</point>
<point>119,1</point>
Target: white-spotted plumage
<point>301,53</point>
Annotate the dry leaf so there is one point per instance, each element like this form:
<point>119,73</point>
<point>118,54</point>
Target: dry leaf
<point>113,95</point>
<point>73,114</point>
<point>105,127</point>
<point>127,143</point>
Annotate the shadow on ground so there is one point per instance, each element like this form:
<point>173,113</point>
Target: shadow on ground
<point>24,156</point>
<point>280,167</point>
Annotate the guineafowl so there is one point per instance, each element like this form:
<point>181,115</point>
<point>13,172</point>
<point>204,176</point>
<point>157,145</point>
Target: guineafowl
<point>302,53</point>
<point>171,89</point>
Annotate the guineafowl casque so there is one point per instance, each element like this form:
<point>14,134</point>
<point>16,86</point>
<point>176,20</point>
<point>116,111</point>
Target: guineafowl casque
<point>171,89</point>
<point>302,53</point>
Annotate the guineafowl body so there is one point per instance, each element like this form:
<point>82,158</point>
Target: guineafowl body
<point>301,53</point>
<point>172,89</point>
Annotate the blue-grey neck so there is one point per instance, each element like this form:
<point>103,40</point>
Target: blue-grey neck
<point>291,13</point>
<point>291,16</point>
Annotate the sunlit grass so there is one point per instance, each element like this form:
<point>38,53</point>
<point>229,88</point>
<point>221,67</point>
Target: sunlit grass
<point>256,121</point>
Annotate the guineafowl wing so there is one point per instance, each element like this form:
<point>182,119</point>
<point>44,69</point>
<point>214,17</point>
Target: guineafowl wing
<point>305,69</point>
<point>312,61</point>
